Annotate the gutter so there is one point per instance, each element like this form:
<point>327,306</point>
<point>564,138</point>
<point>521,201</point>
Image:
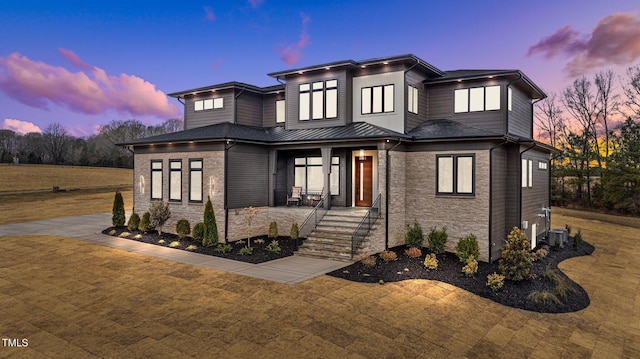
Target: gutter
<point>228,145</point>
<point>386,199</point>
<point>491,193</point>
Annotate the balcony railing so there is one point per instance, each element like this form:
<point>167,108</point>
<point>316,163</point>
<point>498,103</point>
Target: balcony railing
<point>364,228</point>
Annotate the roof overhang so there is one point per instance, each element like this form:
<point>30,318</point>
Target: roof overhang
<point>472,75</point>
<point>227,86</point>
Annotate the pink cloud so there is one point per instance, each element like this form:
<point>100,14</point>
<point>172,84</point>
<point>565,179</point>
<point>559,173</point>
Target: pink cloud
<point>209,14</point>
<point>255,3</point>
<point>91,91</point>
<point>74,59</point>
<point>18,126</point>
<point>216,64</point>
<point>290,54</point>
<point>614,41</point>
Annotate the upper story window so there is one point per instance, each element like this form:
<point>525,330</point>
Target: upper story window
<point>412,99</point>
<point>377,99</point>
<point>509,98</point>
<point>455,174</point>
<point>319,100</point>
<point>280,111</point>
<point>477,99</point>
<point>542,165</point>
<point>527,173</point>
<point>208,104</point>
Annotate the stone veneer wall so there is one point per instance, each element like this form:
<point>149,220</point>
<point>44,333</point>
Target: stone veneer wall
<point>283,216</point>
<point>461,215</point>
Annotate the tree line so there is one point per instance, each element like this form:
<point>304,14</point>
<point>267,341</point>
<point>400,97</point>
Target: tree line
<point>595,126</point>
<point>55,145</point>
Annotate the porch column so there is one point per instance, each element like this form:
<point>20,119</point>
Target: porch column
<point>273,160</point>
<point>326,174</point>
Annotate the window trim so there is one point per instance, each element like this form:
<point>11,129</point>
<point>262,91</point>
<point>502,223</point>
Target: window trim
<point>306,165</point>
<point>191,171</point>
<point>309,91</point>
<point>151,193</point>
<point>413,97</point>
<point>454,175</point>
<point>171,171</point>
<point>469,99</point>
<point>284,110</point>
<point>526,173</point>
<point>383,99</point>
<point>543,165</point>
<point>208,104</point>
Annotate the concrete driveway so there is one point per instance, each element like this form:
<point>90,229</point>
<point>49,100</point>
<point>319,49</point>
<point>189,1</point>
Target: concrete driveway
<point>75,298</point>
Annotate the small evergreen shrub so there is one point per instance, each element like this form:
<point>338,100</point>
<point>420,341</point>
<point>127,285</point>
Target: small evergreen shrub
<point>245,251</point>
<point>174,244</point>
<point>414,236</point>
<point>273,229</point>
<point>294,231</point>
<point>437,240</point>
<point>471,268</point>
<point>159,214</point>
<point>368,261</point>
<point>191,247</point>
<point>495,281</point>
<point>413,252</point>
<point>430,261</point>
<point>577,239</point>
<point>198,231</point>
<point>134,222</point>
<point>183,228</point>
<point>118,218</point>
<point>211,237</point>
<point>467,247</point>
<point>516,258</point>
<point>273,247</point>
<point>223,248</point>
<point>543,296</point>
<point>145,222</point>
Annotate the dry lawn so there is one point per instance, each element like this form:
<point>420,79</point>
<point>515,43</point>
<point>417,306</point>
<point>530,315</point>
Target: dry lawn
<point>25,191</point>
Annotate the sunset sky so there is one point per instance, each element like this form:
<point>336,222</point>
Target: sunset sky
<point>85,63</point>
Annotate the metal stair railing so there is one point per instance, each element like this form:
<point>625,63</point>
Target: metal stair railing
<point>313,219</point>
<point>364,228</point>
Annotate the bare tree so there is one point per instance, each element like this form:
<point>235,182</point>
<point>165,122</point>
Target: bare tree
<point>56,142</point>
<point>549,120</point>
<point>173,125</point>
<point>582,104</point>
<point>609,103</point>
<point>632,90</point>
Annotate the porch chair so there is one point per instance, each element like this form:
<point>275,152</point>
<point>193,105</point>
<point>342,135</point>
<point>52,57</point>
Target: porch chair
<point>295,197</point>
<point>315,199</point>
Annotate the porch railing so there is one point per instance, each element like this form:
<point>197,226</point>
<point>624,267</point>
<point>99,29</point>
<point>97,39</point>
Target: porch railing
<point>365,226</point>
<point>313,219</point>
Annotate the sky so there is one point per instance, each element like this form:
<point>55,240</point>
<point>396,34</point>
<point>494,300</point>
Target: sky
<point>86,63</point>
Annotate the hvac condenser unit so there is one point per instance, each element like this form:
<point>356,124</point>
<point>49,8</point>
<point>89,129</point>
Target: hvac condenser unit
<point>558,237</point>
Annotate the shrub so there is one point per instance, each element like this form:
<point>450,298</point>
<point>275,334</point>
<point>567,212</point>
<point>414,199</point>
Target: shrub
<point>159,214</point>
<point>471,268</point>
<point>273,247</point>
<point>568,228</point>
<point>516,258</point>
<point>577,239</point>
<point>174,244</point>
<point>430,261</point>
<point>540,253</point>
<point>273,229</point>
<point>550,274</point>
<point>563,287</point>
<point>259,241</point>
<point>183,228</point>
<point>124,234</point>
<point>495,281</point>
<point>388,256</point>
<point>467,247</point>
<point>134,222</point>
<point>368,261</point>
<point>543,296</point>
<point>198,231</point>
<point>437,240</point>
<point>413,252</point>
<point>118,218</point>
<point>245,251</point>
<point>414,236</point>
<point>210,237</point>
<point>223,248</point>
<point>294,231</point>
<point>145,222</point>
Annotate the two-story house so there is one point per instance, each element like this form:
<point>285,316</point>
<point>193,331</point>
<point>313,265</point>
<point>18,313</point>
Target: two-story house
<point>444,148</point>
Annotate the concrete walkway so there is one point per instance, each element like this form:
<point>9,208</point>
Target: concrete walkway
<point>289,270</point>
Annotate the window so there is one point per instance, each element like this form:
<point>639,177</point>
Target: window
<point>175,180</point>
<point>208,104</point>
<point>542,165</point>
<point>477,99</point>
<point>377,99</point>
<point>527,173</point>
<point>308,175</point>
<point>455,174</point>
<point>319,100</point>
<point>280,108</point>
<point>509,98</point>
<point>156,179</point>
<point>412,100</point>
<point>195,180</point>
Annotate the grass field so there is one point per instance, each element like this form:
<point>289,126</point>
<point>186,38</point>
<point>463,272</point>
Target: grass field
<point>25,191</point>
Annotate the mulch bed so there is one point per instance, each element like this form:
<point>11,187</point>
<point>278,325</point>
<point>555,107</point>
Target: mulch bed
<point>513,294</point>
<point>259,255</point>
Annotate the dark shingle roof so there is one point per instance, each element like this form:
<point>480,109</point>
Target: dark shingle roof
<point>446,129</point>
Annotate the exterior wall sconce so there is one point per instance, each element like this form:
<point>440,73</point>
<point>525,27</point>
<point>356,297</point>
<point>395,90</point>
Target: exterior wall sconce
<point>362,157</point>
<point>141,184</point>
<point>212,186</point>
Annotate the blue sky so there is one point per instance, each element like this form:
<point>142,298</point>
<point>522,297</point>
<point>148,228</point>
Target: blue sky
<point>85,63</point>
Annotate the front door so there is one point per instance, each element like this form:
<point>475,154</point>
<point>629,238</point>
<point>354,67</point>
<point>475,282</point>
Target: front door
<point>364,181</point>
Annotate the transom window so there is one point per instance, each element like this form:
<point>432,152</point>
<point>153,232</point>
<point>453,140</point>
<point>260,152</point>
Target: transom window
<point>542,165</point>
<point>308,174</point>
<point>412,99</point>
<point>477,99</point>
<point>319,100</point>
<point>208,104</point>
<point>377,99</point>
<point>455,174</point>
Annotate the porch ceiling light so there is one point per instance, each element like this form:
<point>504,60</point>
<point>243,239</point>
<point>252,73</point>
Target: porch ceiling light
<point>362,156</point>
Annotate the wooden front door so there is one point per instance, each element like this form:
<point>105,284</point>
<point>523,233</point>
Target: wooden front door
<point>364,181</point>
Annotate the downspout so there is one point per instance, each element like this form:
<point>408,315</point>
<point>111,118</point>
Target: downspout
<point>386,199</point>
<point>228,145</point>
<point>520,198</point>
<point>491,194</point>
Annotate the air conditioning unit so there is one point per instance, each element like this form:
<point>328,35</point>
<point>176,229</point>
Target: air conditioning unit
<point>558,237</point>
